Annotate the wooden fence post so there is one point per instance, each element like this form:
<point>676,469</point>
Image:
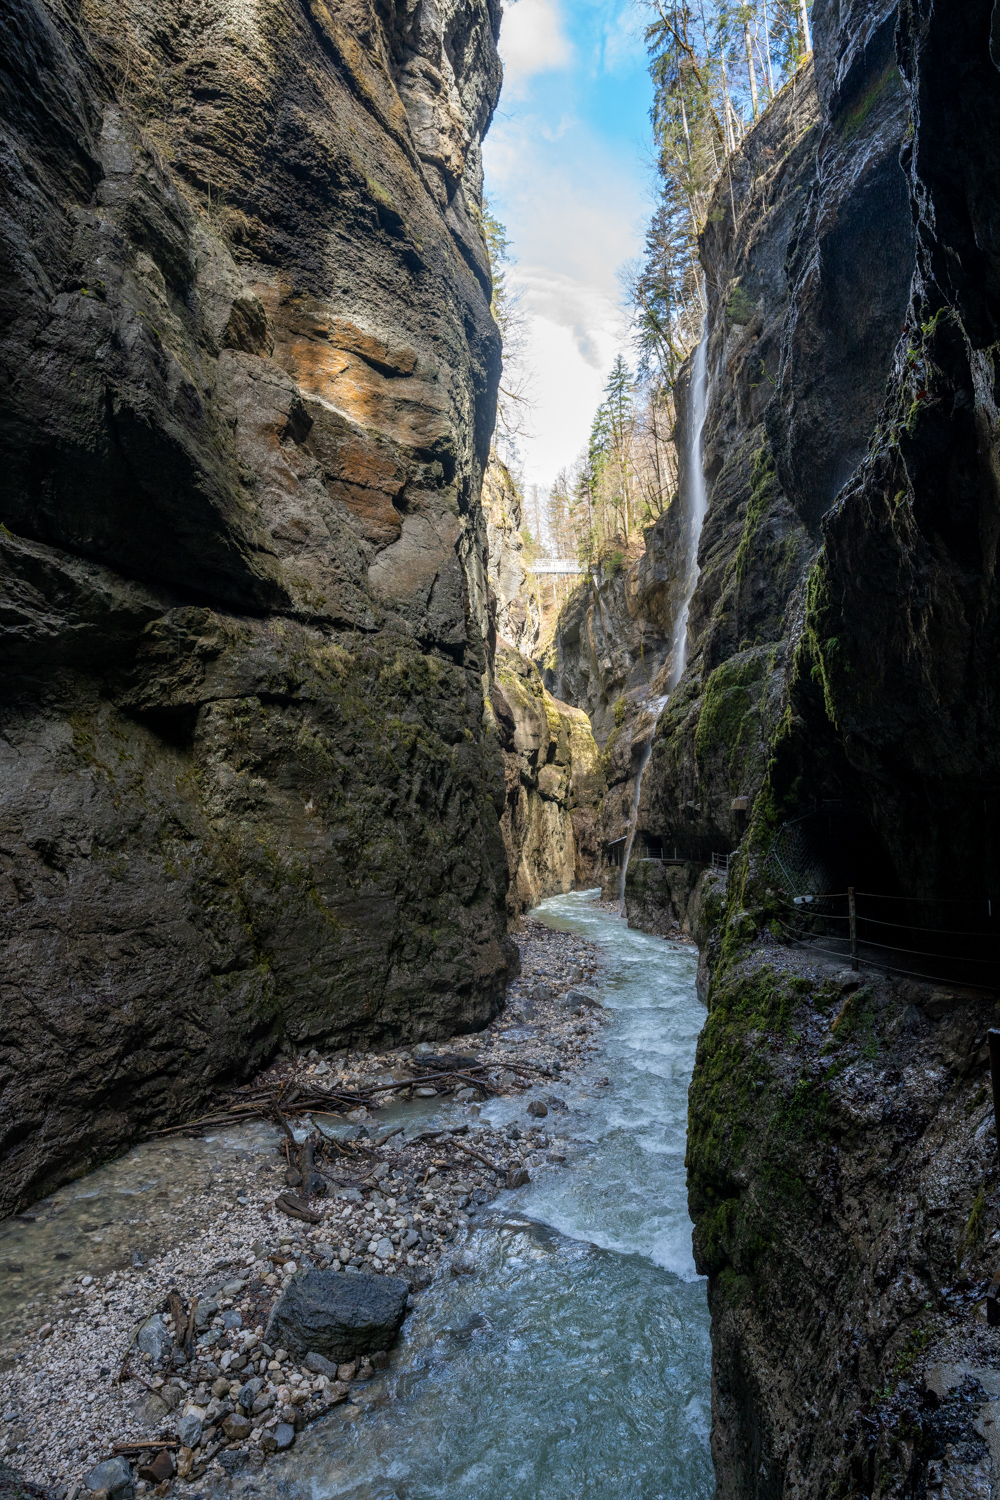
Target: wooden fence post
<point>852,913</point>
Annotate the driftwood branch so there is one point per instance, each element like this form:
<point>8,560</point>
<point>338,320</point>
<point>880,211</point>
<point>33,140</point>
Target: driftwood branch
<point>478,1155</point>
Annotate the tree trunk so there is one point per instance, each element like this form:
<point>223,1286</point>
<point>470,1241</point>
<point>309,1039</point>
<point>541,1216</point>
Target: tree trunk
<point>751,69</point>
<point>804,21</point>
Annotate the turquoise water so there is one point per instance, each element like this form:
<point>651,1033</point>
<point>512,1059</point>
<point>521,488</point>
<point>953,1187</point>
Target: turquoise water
<point>575,1361</point>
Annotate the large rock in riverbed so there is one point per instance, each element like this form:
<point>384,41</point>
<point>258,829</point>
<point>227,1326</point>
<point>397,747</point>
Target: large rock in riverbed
<point>338,1316</point>
<point>112,1478</point>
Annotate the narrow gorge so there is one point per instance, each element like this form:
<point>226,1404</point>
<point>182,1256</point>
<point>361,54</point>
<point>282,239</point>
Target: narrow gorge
<point>308,786</point>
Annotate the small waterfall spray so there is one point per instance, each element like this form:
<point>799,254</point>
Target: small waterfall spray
<point>694,500</point>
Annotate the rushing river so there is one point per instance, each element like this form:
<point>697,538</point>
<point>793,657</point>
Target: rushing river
<point>575,1361</point>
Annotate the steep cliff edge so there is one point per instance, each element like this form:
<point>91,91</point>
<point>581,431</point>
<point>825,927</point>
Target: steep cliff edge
<point>842,1157</point>
<point>248,373</point>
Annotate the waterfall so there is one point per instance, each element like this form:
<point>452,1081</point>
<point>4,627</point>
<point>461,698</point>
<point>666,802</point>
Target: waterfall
<point>693,498</point>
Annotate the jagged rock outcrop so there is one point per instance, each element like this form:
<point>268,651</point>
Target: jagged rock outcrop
<point>248,383</point>
<point>554,786</point>
<point>514,614</point>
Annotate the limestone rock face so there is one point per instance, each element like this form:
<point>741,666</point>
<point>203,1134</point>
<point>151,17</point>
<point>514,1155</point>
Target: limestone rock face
<point>612,637</point>
<point>845,635</point>
<point>894,700</point>
<point>249,374</point>
<point>554,786</point>
<point>807,291</point>
<point>514,615</point>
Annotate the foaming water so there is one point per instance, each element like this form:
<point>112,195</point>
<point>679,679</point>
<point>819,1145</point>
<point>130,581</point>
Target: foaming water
<point>575,1361</point>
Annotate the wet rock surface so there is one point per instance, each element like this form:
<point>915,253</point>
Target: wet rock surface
<point>553,786</point>
<point>339,1317</point>
<point>514,614</point>
<point>612,637</point>
<point>842,1171</point>
<point>250,373</point>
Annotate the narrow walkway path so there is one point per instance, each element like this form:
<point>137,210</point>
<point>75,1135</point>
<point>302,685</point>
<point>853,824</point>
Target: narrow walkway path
<point>575,1361</point>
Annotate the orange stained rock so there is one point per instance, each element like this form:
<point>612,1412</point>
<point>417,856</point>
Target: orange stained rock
<point>409,409</point>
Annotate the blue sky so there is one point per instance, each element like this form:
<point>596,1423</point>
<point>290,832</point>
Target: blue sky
<point>567,171</point>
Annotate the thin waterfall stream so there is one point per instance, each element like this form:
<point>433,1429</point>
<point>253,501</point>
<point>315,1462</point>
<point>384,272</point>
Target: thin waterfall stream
<point>693,499</point>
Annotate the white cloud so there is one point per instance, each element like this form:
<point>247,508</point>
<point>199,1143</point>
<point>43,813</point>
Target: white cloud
<point>574,332</point>
<point>568,201</point>
<point>624,47</point>
<point>532,40</point>
<point>593,320</point>
<point>566,178</point>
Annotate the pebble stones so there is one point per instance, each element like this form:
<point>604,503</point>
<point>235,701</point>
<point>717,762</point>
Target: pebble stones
<point>236,1254</point>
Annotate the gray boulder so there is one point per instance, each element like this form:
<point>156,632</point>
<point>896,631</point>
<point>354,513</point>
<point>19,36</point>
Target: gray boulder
<point>114,1476</point>
<point>204,1313</point>
<point>318,1364</point>
<point>248,1395</point>
<point>340,1317</point>
<point>189,1430</point>
<point>153,1337</point>
<point>582,994</point>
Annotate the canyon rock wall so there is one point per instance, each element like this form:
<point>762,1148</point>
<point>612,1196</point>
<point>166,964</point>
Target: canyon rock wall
<point>612,637</point>
<point>843,1180</point>
<point>248,372</point>
<point>554,786</point>
<point>514,612</point>
<point>843,651</point>
<point>807,293</point>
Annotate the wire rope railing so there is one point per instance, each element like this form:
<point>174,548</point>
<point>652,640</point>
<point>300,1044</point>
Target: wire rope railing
<point>838,925</point>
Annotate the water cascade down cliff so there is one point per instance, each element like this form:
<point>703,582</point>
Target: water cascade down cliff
<point>691,503</point>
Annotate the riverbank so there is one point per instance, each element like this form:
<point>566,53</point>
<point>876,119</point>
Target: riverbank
<point>90,1360</point>
<point>575,1358</point>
